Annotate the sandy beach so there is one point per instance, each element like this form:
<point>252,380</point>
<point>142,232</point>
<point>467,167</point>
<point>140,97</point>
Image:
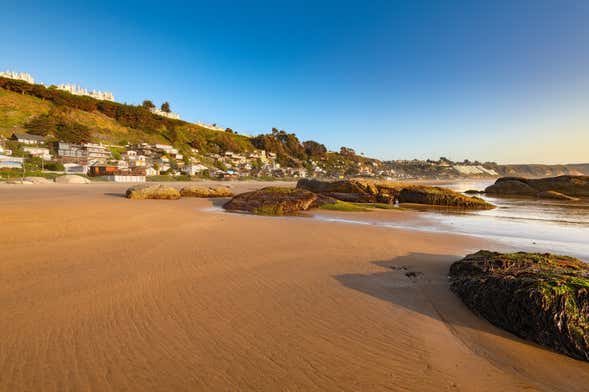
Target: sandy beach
<point>101,293</point>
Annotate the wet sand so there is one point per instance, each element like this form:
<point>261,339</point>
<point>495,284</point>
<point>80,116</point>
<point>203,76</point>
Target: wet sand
<point>106,294</point>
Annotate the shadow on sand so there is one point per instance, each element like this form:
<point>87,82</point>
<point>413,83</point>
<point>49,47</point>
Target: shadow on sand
<point>112,194</point>
<point>219,201</point>
<point>419,282</point>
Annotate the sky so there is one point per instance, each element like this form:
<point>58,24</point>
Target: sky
<point>504,81</point>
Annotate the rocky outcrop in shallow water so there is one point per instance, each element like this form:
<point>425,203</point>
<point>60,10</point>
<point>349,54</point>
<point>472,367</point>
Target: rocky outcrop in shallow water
<point>364,191</point>
<point>540,297</point>
<point>572,186</point>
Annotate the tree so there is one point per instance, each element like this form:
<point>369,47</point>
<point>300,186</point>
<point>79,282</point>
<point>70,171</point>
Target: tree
<point>73,133</point>
<point>346,151</point>
<point>314,149</point>
<point>147,104</point>
<point>229,130</point>
<point>166,107</point>
<point>42,125</point>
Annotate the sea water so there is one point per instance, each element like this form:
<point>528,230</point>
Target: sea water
<point>527,224</point>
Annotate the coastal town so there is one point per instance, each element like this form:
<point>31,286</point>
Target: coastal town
<point>135,162</point>
<point>139,162</point>
<point>163,147</point>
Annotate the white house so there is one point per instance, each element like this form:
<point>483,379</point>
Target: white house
<point>25,138</point>
<point>193,169</point>
<point>139,161</point>
<point>40,152</point>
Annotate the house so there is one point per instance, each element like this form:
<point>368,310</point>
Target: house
<point>39,152</point>
<point>71,153</point>
<point>116,174</point>
<point>25,138</point>
<point>8,162</point>
<point>129,155</point>
<point>166,148</point>
<point>193,169</point>
<point>82,153</point>
<point>96,152</point>
<point>103,170</point>
<point>150,171</point>
<point>138,161</point>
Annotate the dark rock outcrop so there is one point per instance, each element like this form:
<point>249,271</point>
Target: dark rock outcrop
<point>511,187</point>
<point>275,201</point>
<point>576,186</point>
<point>364,191</point>
<point>540,297</point>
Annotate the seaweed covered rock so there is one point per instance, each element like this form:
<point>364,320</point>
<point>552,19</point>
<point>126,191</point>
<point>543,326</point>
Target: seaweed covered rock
<point>148,191</point>
<point>365,191</point>
<point>577,186</point>
<point>540,297</point>
<point>275,201</point>
<point>356,191</point>
<point>437,196</point>
<point>204,191</point>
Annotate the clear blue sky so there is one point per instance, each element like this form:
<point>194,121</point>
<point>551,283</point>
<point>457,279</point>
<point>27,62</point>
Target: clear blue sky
<point>488,80</point>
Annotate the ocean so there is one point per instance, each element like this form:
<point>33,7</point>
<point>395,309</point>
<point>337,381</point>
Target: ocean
<point>525,224</point>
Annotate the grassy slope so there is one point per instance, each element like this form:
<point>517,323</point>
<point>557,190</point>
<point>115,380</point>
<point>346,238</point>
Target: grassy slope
<point>17,109</point>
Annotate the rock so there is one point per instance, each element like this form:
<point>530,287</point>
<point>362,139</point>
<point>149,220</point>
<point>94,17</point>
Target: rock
<point>275,201</point>
<point>148,191</point>
<point>540,297</point>
<point>511,187</point>
<point>202,191</point>
<point>556,196</point>
<point>38,180</point>
<point>576,186</point>
<point>19,182</point>
<point>440,197</point>
<point>72,179</point>
<point>474,192</point>
<point>364,191</point>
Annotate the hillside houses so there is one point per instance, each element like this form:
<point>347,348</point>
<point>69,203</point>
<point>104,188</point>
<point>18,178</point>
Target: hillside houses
<point>82,153</point>
<point>145,159</point>
<point>28,139</point>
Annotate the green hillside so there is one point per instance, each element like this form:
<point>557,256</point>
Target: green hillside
<point>59,115</point>
<point>18,110</point>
